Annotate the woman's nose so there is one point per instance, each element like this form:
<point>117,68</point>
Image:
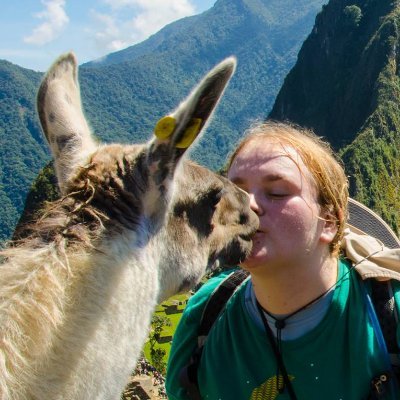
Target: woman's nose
<point>254,205</point>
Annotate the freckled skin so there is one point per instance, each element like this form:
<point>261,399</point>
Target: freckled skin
<point>290,262</point>
<point>285,201</point>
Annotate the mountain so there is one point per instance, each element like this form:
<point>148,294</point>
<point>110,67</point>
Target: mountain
<point>346,87</point>
<point>264,35</point>
<point>125,93</point>
<point>227,28</point>
<point>22,149</point>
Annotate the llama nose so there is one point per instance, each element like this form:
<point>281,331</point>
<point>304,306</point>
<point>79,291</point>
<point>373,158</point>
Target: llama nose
<point>243,219</point>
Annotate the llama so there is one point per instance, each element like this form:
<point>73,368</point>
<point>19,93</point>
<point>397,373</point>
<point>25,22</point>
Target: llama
<point>134,225</point>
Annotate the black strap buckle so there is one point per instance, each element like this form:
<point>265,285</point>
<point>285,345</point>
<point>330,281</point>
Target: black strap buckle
<point>379,386</point>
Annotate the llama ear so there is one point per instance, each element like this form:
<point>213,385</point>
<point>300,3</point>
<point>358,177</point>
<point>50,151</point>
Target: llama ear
<point>184,125</point>
<point>61,116</point>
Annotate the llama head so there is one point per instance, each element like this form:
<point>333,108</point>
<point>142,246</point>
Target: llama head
<point>210,225</point>
<point>129,183</point>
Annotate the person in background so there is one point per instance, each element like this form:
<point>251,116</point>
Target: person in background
<point>298,328</point>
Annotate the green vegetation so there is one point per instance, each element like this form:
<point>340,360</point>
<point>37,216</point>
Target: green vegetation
<point>43,189</point>
<point>164,324</point>
<point>157,354</point>
<point>22,150</point>
<point>353,15</point>
<point>373,158</point>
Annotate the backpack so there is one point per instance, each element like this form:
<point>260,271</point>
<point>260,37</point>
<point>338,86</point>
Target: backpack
<point>383,303</point>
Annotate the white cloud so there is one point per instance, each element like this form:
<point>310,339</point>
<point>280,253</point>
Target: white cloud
<point>131,21</point>
<point>157,13</point>
<point>121,3</point>
<point>111,36</point>
<point>55,19</point>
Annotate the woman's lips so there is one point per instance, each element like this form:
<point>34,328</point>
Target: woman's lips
<point>258,235</point>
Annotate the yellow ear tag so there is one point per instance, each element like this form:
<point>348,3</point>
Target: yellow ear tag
<point>165,127</point>
<point>190,133</point>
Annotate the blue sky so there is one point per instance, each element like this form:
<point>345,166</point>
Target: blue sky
<point>34,32</point>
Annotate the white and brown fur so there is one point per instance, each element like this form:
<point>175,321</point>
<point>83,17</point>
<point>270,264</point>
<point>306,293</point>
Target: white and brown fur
<point>134,226</point>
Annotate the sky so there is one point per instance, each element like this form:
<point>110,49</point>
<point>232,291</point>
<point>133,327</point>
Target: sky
<point>33,33</point>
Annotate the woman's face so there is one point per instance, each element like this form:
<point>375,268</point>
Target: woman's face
<point>283,194</point>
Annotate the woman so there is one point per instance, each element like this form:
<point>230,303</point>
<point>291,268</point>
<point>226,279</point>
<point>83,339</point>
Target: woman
<point>322,345</point>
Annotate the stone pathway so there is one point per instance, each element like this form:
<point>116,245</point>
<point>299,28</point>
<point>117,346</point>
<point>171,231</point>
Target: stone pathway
<point>141,388</point>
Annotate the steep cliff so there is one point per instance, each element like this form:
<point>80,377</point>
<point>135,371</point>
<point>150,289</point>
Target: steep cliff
<point>345,86</point>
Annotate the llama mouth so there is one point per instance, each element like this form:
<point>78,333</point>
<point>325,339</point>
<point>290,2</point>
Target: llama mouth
<point>235,253</point>
<point>246,238</point>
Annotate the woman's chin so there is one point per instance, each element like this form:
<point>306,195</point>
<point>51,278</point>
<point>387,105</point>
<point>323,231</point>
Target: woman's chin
<point>256,259</point>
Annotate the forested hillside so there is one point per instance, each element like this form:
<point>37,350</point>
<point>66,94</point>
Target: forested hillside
<point>127,92</point>
<point>346,86</point>
<point>22,150</point>
<point>130,90</point>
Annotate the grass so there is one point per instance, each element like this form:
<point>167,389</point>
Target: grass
<point>168,330</point>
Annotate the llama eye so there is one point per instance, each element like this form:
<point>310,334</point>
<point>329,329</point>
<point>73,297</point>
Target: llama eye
<point>214,197</point>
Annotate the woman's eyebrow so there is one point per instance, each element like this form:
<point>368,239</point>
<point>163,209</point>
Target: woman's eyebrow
<point>272,177</point>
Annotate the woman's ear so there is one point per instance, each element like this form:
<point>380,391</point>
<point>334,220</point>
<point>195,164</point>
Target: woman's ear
<point>330,227</point>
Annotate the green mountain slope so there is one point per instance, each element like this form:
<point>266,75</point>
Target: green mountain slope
<point>264,35</point>
<point>22,150</point>
<point>346,87</point>
<point>126,93</point>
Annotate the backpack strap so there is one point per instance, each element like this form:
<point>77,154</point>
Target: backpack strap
<point>383,316</point>
<point>385,308</point>
<point>217,301</point>
<point>214,307</point>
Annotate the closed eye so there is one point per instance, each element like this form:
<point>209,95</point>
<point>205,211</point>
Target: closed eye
<point>277,195</point>
<point>279,189</point>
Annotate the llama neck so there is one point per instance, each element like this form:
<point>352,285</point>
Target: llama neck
<point>36,288</point>
<point>115,309</point>
<point>84,308</point>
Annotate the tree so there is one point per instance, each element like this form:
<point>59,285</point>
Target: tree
<point>353,14</point>
<point>157,354</point>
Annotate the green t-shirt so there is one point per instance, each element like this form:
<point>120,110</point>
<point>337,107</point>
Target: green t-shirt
<point>336,360</point>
